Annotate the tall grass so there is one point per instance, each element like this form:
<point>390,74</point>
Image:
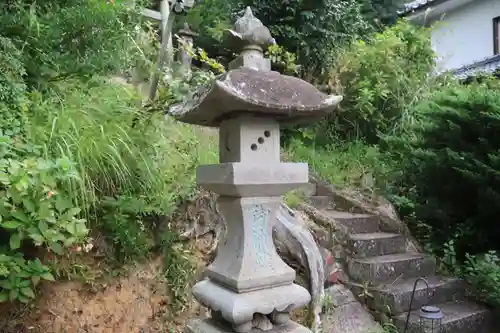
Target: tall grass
<point>92,125</point>
<point>345,164</point>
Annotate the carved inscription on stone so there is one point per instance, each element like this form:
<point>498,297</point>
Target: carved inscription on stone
<point>259,215</point>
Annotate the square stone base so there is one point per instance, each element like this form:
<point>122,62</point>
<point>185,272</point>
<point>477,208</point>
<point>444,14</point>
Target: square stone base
<point>211,326</point>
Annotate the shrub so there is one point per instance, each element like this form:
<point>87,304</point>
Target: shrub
<point>449,167</point>
<point>343,164</point>
<point>35,208</point>
<point>78,152</point>
<point>312,31</point>
<point>381,79</point>
<point>62,39</point>
<point>483,273</point>
<point>129,174</point>
<point>12,88</point>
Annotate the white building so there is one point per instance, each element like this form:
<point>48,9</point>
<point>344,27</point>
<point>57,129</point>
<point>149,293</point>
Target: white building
<point>466,34</point>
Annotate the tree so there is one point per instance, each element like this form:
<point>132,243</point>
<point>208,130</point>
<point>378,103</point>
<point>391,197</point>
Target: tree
<point>311,30</point>
<point>65,38</point>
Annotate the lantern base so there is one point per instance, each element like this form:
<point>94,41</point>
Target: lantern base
<point>239,308</point>
<point>212,326</point>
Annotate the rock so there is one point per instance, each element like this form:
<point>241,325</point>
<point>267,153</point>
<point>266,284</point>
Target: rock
<point>349,318</point>
<point>339,295</point>
<point>344,314</point>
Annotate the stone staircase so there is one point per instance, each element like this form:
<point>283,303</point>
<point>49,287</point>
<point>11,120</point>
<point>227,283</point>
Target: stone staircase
<point>381,259</point>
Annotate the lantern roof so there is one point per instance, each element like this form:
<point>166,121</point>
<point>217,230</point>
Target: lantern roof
<point>431,312</point>
<point>287,99</point>
<point>250,87</point>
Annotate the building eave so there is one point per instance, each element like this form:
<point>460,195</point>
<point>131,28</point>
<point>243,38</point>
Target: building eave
<point>486,66</point>
<point>418,6</point>
<point>426,11</point>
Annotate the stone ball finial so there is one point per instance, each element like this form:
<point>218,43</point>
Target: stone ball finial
<point>249,31</point>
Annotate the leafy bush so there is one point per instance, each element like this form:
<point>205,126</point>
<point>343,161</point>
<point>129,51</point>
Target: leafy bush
<point>449,167</point>
<point>128,173</point>
<point>381,79</point>
<point>483,273</point>
<point>312,31</point>
<point>62,39</point>
<point>344,163</point>
<point>12,88</point>
<point>35,208</point>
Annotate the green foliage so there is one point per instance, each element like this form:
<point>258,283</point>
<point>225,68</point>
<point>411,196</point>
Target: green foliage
<point>449,166</point>
<point>483,273</point>
<point>36,209</point>
<point>90,123</point>
<point>344,163</point>
<point>61,39</point>
<point>381,79</point>
<point>381,12</point>
<point>179,268</point>
<point>123,221</point>
<point>312,31</point>
<point>282,60</point>
<point>19,277</point>
<point>12,88</point>
<point>76,151</point>
<point>429,143</point>
<point>209,19</point>
<point>33,208</point>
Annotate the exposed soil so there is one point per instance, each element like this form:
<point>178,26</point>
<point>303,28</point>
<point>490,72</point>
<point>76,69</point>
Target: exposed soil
<point>136,302</point>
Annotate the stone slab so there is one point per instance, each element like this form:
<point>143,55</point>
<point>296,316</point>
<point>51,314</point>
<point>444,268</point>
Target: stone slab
<point>211,326</point>
<point>459,317</point>
<point>308,189</point>
<point>395,298</point>
<point>376,244</point>
<point>320,202</point>
<point>355,223</point>
<point>350,318</point>
<point>240,308</point>
<point>390,268</point>
<point>339,295</point>
<point>257,179</point>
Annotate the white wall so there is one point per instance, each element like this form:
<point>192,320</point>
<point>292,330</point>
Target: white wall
<point>465,35</point>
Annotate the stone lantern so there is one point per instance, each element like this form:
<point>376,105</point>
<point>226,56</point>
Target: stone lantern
<point>186,39</point>
<point>181,6</point>
<point>248,286</point>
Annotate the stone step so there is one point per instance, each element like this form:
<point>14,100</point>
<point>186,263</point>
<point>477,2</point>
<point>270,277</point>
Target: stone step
<point>459,317</point>
<point>376,244</point>
<point>395,298</point>
<point>320,201</point>
<point>390,268</point>
<point>355,223</point>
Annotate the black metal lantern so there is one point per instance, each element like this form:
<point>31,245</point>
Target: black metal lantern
<point>430,317</point>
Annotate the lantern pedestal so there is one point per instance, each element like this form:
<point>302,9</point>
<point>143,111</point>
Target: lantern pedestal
<point>239,308</point>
